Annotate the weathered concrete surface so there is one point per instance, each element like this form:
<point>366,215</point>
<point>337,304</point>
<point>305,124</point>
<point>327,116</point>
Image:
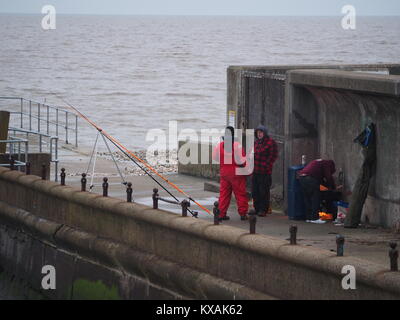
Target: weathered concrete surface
<point>89,267</point>
<point>204,166</point>
<point>256,95</point>
<point>4,121</point>
<point>327,109</point>
<point>261,263</point>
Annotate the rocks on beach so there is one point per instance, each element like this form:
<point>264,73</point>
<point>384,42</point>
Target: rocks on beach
<point>163,161</point>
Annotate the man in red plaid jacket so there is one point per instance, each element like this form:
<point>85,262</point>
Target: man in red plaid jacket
<point>265,154</point>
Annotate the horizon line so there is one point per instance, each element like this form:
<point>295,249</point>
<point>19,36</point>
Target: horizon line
<point>197,15</point>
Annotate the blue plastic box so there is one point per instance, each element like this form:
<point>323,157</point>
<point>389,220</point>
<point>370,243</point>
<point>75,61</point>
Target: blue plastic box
<point>296,206</point>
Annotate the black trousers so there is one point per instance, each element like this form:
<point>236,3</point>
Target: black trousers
<point>261,186</point>
<point>312,198</point>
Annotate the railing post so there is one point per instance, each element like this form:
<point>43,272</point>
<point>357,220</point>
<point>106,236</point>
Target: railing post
<point>155,198</point>
<point>56,156</point>
<point>57,122</point>
<point>105,187</point>
<point>62,175</point>
<point>28,168</point>
<point>252,221</point>
<point>393,255</point>
<point>38,117</point>
<point>340,245</point>
<point>40,142</point>
<point>83,182</point>
<point>26,150</point>
<point>48,119</point>
<point>76,131</point>
<point>30,115</point>
<point>22,111</point>
<point>19,154</point>
<point>43,171</point>
<point>66,127</point>
<point>129,192</point>
<point>293,235</point>
<point>12,163</point>
<point>216,213</point>
<point>185,204</point>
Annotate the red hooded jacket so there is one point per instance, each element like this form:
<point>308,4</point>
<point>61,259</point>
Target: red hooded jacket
<point>228,162</point>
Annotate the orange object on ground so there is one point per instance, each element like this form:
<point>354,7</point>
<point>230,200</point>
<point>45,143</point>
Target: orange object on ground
<point>323,188</point>
<point>325,216</point>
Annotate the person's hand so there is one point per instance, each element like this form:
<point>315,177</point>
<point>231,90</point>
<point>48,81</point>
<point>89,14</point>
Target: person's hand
<point>339,187</point>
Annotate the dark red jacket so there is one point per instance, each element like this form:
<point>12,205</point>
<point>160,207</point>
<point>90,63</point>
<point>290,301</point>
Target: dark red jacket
<point>322,170</point>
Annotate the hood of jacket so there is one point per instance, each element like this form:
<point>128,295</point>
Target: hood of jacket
<point>263,129</point>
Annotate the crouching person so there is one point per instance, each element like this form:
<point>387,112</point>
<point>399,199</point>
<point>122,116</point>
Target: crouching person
<point>317,172</point>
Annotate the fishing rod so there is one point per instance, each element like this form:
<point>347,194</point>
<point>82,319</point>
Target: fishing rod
<point>132,159</point>
<point>136,159</point>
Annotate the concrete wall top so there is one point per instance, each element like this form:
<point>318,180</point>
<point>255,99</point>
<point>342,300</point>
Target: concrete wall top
<point>347,80</point>
<point>366,67</point>
<point>111,218</point>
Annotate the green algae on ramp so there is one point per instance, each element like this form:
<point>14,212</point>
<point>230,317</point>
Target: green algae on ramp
<point>89,290</point>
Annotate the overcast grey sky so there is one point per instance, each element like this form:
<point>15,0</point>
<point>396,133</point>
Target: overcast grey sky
<point>205,7</point>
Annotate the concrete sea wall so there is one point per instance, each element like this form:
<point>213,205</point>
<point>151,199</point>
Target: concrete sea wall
<point>327,109</point>
<point>105,247</point>
<point>317,111</point>
<point>204,166</point>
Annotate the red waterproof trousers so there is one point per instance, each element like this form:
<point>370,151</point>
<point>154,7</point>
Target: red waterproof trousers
<point>230,179</point>
<point>237,184</point>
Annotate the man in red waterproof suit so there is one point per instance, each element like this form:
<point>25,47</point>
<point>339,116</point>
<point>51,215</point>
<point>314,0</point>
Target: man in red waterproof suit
<point>231,157</point>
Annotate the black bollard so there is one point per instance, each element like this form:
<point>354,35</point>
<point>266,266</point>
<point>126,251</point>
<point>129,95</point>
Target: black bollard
<point>216,213</point>
<point>129,192</point>
<point>155,198</point>
<point>62,175</point>
<point>28,168</point>
<point>340,245</point>
<point>43,171</point>
<point>293,235</point>
<point>252,221</point>
<point>185,204</point>
<point>105,187</point>
<point>83,182</point>
<point>393,255</point>
<point>12,163</point>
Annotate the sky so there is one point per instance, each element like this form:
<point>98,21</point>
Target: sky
<point>206,7</point>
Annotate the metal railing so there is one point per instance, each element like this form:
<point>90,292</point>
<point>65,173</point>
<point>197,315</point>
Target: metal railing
<point>13,150</point>
<point>52,144</point>
<point>47,119</point>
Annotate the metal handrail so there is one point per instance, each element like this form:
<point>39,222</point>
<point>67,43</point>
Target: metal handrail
<point>46,118</point>
<point>53,141</point>
<point>12,141</point>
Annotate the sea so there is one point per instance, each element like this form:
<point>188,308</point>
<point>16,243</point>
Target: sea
<point>135,74</point>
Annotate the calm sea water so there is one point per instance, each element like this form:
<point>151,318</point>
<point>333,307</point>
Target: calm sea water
<point>135,73</point>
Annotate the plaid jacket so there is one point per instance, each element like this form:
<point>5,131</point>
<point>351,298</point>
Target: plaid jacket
<point>265,154</point>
